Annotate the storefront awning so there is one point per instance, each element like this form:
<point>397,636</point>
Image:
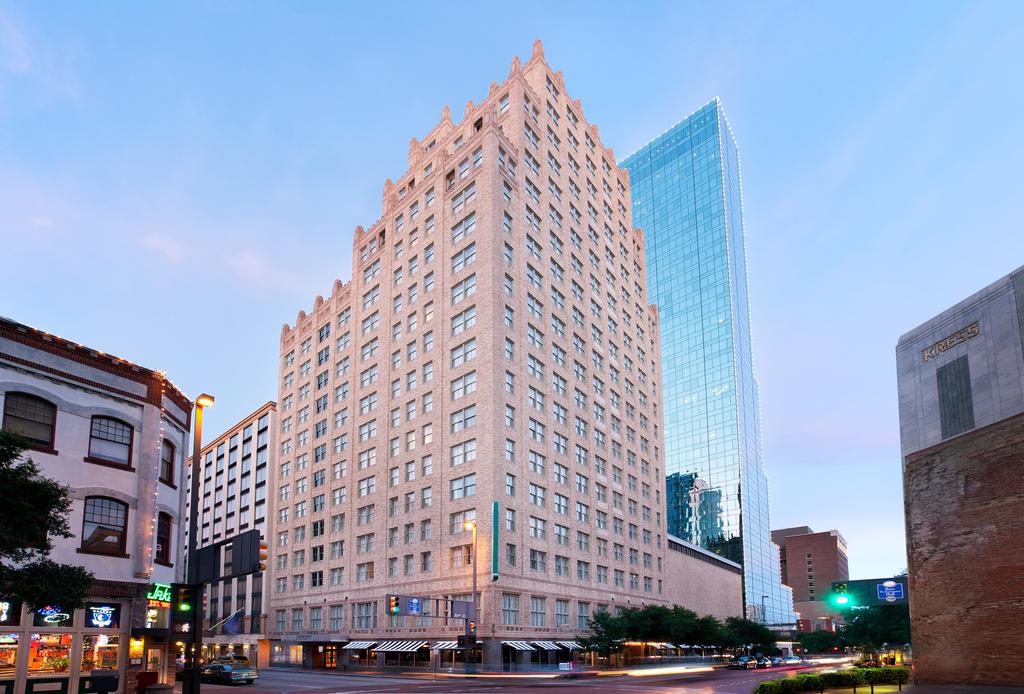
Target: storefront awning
<point>400,646</point>
<point>358,645</point>
<point>571,645</point>
<point>445,645</point>
<point>519,645</point>
<point>546,645</point>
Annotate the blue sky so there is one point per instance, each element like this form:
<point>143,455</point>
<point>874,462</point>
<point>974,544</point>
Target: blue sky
<point>178,180</point>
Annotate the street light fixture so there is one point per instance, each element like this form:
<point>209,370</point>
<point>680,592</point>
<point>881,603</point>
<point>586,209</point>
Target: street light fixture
<point>191,683</point>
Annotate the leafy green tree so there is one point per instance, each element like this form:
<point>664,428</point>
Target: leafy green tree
<point>821,641</point>
<point>606,635</point>
<point>750,634</point>
<point>707,632</point>
<point>870,627</point>
<point>35,509</point>
<point>681,625</point>
<point>647,623</point>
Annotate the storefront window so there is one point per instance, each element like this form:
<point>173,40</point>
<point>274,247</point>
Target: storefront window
<point>10,613</point>
<point>8,654</point>
<point>49,654</point>
<point>52,616</point>
<point>103,615</point>
<point>99,652</point>
<point>282,654</point>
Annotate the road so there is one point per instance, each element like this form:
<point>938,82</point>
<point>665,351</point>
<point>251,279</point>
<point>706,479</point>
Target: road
<point>285,681</point>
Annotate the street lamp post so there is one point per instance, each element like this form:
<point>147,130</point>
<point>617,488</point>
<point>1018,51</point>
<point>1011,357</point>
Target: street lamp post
<point>192,684</point>
<point>471,525</point>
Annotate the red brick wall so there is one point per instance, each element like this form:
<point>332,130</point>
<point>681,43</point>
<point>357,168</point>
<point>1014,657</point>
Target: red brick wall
<point>964,503</point>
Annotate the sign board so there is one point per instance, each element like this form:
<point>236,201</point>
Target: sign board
<point>890,591</point>
<point>463,609</point>
<point>414,606</point>
<point>869,592</point>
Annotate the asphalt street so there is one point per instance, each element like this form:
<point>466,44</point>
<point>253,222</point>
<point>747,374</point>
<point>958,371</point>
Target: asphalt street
<point>287,681</point>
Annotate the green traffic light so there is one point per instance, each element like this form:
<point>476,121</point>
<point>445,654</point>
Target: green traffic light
<point>842,599</point>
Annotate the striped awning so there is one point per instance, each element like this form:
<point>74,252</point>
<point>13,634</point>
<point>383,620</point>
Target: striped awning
<point>445,645</point>
<point>571,645</point>
<point>403,646</point>
<point>546,645</point>
<point>358,645</point>
<point>519,645</point>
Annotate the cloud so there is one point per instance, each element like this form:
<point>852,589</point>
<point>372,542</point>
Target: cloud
<point>166,246</point>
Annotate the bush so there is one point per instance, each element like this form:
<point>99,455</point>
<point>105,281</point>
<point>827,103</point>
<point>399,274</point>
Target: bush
<point>769,687</point>
<point>888,675</point>
<point>843,678</point>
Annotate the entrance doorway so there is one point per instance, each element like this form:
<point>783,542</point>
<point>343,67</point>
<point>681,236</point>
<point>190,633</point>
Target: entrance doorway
<point>331,657</point>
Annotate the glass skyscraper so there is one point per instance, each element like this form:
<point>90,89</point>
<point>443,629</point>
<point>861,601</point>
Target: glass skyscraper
<point>687,199</point>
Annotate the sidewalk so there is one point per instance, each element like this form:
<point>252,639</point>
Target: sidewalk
<point>930,689</point>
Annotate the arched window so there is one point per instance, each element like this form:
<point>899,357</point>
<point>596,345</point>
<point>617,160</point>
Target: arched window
<point>104,526</point>
<point>167,462</point>
<point>110,440</point>
<point>30,416</point>
<point>163,538</point>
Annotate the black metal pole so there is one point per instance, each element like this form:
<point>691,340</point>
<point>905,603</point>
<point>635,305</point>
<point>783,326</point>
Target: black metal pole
<point>191,683</point>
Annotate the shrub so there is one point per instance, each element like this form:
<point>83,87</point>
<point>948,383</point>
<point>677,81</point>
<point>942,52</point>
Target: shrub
<point>770,687</point>
<point>888,675</point>
<point>808,682</point>
<point>843,678</point>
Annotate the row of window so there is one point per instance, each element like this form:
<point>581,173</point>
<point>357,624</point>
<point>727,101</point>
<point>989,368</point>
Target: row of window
<point>111,441</point>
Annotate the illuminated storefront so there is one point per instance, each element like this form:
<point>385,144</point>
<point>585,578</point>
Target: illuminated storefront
<point>53,649</point>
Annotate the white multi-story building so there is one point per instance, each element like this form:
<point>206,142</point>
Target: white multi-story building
<point>234,500</point>
<point>115,433</point>
<point>493,361</point>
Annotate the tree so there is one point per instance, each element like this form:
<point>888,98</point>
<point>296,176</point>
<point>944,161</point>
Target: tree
<point>707,631</point>
<point>35,509</point>
<point>606,634</point>
<point>870,627</point>
<point>681,625</point>
<point>821,641</point>
<point>750,634</point>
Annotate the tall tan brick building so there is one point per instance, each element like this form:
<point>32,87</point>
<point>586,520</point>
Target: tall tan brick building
<point>495,348</point>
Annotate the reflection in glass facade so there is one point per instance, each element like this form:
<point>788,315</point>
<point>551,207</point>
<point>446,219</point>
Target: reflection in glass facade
<point>687,200</point>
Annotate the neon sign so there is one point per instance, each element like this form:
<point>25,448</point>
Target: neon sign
<point>159,595</point>
<point>104,616</point>
<point>53,615</point>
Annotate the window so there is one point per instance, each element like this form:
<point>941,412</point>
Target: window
<point>104,526</point>
<point>31,417</point>
<point>509,608</point>
<point>110,440</point>
<point>163,538</point>
<point>167,462</point>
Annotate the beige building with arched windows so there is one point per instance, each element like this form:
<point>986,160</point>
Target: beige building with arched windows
<point>116,433</point>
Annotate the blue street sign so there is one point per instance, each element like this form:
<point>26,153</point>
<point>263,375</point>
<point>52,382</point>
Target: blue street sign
<point>414,605</point>
<point>890,591</point>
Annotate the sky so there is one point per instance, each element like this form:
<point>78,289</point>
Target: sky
<point>178,180</point>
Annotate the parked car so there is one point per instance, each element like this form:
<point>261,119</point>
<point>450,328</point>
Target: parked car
<point>229,673</point>
<point>778,662</point>
<point>232,659</point>
<point>744,662</point>
<point>764,661</point>
<point>793,660</point>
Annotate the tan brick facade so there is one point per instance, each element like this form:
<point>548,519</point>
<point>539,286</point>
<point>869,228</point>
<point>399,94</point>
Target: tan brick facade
<point>496,326</point>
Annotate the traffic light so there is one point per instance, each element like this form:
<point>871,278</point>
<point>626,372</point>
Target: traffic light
<point>394,604</point>
<point>472,627</point>
<point>841,595</point>
<point>264,555</point>
<point>184,600</point>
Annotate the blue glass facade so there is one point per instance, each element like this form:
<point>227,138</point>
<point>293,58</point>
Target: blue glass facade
<point>687,199</point>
